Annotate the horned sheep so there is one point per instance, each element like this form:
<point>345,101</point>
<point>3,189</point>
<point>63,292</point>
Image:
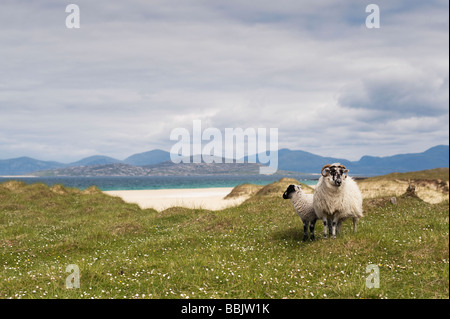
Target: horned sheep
<point>336,198</point>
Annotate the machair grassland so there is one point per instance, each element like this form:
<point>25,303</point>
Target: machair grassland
<point>250,251</point>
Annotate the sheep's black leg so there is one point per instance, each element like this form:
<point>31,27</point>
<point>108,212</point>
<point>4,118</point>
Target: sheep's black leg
<point>311,230</point>
<point>338,227</point>
<point>333,229</point>
<point>325,227</point>
<point>305,231</point>
<point>334,224</point>
<point>355,220</point>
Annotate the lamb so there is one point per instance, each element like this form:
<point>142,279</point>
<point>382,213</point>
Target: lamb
<point>303,204</point>
<point>336,198</point>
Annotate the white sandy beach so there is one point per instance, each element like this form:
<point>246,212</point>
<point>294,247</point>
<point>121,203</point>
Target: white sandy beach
<point>160,199</point>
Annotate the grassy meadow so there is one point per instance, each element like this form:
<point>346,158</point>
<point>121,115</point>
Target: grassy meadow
<point>250,251</point>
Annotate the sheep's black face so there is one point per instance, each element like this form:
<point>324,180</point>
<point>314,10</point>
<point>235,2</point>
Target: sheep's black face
<point>336,175</point>
<point>289,191</point>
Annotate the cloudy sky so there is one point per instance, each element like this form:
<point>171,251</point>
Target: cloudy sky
<point>136,70</point>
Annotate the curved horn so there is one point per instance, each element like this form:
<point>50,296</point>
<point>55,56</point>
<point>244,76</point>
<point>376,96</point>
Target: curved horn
<point>325,166</point>
<point>343,166</point>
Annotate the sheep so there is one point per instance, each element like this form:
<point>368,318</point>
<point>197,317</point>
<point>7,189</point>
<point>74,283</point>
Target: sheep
<point>336,198</point>
<point>303,204</point>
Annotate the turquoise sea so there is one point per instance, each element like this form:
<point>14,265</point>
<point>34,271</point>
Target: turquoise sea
<point>161,182</point>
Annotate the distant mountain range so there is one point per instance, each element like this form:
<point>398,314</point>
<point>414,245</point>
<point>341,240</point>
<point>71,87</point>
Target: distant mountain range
<point>157,162</point>
<point>434,157</point>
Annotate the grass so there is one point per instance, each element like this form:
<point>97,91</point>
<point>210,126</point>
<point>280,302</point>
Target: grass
<point>250,251</point>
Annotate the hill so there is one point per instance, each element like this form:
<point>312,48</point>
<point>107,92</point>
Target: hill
<point>25,165</point>
<point>148,158</point>
<point>438,174</point>
<point>162,169</point>
<point>301,161</point>
<point>434,157</point>
<point>94,160</point>
<point>430,185</point>
<point>288,160</point>
<point>250,251</point>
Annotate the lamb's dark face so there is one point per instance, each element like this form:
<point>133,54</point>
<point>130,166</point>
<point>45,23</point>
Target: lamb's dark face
<point>291,189</point>
<point>335,174</point>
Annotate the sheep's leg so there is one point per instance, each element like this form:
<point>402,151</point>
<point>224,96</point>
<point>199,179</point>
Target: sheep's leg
<point>338,227</point>
<point>305,231</point>
<point>329,226</point>
<point>334,226</point>
<point>325,227</point>
<point>311,230</point>
<point>355,220</point>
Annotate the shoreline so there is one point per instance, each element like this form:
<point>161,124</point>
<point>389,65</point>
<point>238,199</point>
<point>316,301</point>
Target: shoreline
<point>161,199</point>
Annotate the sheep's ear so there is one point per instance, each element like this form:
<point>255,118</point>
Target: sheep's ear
<point>346,172</point>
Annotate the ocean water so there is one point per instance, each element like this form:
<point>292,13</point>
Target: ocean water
<point>160,182</point>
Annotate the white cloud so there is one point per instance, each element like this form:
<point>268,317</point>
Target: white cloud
<point>135,71</point>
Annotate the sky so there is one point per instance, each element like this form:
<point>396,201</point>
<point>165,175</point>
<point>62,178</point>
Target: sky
<point>136,70</point>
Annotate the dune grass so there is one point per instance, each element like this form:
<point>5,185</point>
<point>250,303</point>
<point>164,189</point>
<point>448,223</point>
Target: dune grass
<point>428,174</point>
<point>431,186</point>
<point>250,251</point>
